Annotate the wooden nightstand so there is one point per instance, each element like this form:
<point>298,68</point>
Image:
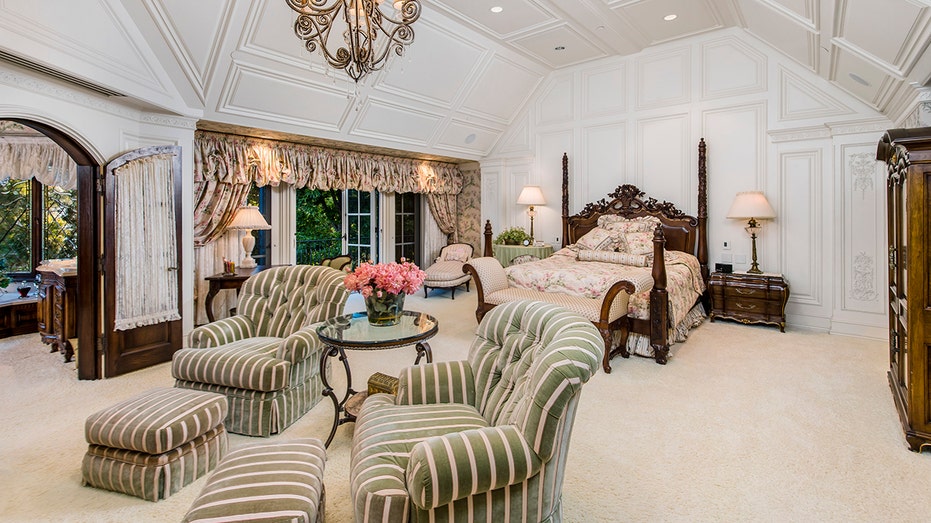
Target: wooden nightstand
<point>749,298</point>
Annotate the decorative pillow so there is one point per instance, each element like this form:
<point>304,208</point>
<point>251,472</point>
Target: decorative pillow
<point>639,242</point>
<point>624,225</point>
<point>459,253</point>
<point>596,239</point>
<point>622,258</point>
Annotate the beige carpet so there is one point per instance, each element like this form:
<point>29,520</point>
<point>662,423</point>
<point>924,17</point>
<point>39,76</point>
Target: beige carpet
<point>743,424</point>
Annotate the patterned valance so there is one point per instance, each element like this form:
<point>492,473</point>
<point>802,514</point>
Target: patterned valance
<point>241,160</point>
<point>25,157</point>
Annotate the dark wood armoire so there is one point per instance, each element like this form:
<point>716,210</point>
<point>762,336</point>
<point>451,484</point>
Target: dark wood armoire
<point>907,153</point>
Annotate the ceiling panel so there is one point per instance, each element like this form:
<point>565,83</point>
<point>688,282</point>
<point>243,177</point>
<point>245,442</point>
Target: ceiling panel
<point>197,26</point>
<point>559,47</point>
<point>868,25</point>
<point>395,123</point>
<point>692,17</point>
<point>804,9</point>
<point>461,136</point>
<point>516,15</point>
<point>501,90</point>
<point>860,77</point>
<point>780,31</point>
<point>437,66</point>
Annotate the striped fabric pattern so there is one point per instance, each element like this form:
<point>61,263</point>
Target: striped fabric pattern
<point>500,458</point>
<point>440,382</point>
<point>153,477</point>
<point>281,481</point>
<point>156,421</point>
<point>266,358</point>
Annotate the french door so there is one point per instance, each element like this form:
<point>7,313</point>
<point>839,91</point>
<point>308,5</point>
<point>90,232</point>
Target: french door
<point>361,225</point>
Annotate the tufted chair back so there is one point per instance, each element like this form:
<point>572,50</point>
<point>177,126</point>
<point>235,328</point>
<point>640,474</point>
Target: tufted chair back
<point>529,361</point>
<point>281,300</point>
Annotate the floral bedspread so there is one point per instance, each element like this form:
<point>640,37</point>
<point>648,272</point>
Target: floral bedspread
<point>563,273</point>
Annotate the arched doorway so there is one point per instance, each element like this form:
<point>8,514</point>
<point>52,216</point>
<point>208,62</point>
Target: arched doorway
<point>87,298</point>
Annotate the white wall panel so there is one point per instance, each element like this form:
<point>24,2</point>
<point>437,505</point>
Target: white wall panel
<point>555,104</point>
<point>663,153</point>
<point>664,79</point>
<point>862,261</point>
<point>548,172</point>
<point>605,91</point>
<point>730,68</point>
<point>800,224</point>
<point>736,163</point>
<point>604,159</point>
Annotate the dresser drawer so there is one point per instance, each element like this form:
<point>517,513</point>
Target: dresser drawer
<point>733,292</point>
<point>741,306</point>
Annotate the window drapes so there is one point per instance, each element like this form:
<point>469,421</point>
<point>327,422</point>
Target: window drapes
<point>22,158</point>
<point>224,163</point>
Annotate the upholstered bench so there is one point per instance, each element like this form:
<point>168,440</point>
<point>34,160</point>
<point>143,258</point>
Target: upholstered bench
<point>446,271</point>
<point>279,481</point>
<point>153,444</point>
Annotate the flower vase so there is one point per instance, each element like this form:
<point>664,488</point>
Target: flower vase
<point>386,310</point>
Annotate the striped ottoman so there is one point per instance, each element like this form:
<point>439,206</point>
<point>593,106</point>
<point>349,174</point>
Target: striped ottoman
<point>151,445</point>
<point>280,481</point>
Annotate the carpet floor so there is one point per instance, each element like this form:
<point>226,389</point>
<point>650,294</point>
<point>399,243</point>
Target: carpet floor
<point>743,424</point>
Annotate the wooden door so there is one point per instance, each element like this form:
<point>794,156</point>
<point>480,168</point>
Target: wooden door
<point>129,349</point>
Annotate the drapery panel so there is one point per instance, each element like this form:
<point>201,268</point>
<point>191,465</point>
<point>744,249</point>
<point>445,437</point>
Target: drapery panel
<point>145,243</point>
<point>22,158</point>
<point>444,210</point>
<point>215,203</point>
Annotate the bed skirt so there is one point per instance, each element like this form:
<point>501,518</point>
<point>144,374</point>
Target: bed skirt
<point>640,345</point>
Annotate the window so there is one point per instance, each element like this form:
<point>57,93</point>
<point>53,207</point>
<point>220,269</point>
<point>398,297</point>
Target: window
<point>37,222</point>
<point>261,197</point>
<point>318,226</point>
<point>407,227</point>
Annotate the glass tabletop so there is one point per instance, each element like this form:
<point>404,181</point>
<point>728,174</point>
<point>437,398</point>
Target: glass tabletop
<point>353,331</point>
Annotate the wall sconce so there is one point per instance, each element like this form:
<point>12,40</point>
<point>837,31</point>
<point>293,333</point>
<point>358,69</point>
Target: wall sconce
<point>531,195</point>
<point>752,206</point>
<point>248,219</point>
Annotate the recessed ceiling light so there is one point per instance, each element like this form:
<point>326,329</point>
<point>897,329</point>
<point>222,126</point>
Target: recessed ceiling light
<point>859,79</point>
<point>560,48</point>
<point>670,18</point>
<point>497,9</point>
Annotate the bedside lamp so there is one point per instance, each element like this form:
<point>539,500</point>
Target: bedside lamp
<point>752,206</point>
<point>248,219</point>
<point>531,195</point>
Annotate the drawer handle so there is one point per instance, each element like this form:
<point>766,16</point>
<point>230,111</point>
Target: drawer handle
<point>746,307</point>
<point>745,292</point>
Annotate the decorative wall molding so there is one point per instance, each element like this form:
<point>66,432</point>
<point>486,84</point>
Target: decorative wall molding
<point>814,102</point>
<point>671,71</point>
<point>807,284</point>
<point>800,134</point>
<point>872,125</point>
<point>863,287</point>
<point>555,102</point>
<point>35,84</point>
<point>164,120</point>
<point>605,91</point>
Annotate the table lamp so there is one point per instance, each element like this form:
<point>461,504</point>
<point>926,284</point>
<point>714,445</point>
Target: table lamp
<point>752,206</point>
<point>531,195</point>
<point>248,219</point>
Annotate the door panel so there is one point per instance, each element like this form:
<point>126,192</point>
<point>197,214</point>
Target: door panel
<point>136,348</point>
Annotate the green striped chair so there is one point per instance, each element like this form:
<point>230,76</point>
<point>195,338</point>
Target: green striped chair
<point>266,359</point>
<point>484,439</point>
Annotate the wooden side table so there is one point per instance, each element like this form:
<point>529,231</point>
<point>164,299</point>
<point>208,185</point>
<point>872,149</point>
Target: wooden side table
<point>219,282</point>
<point>749,298</point>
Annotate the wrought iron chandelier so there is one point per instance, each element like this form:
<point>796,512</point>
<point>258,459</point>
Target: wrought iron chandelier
<point>370,30</point>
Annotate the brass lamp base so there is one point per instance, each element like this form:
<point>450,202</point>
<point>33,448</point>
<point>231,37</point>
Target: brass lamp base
<point>754,266</point>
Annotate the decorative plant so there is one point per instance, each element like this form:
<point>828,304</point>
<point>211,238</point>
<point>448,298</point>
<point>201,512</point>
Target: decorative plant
<point>512,236</point>
<point>4,282</point>
<point>379,278</point>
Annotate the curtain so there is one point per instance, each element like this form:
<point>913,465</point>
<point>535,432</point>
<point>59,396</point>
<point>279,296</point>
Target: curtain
<point>445,212</point>
<point>215,203</point>
<point>22,158</point>
<point>145,243</point>
<point>433,238</point>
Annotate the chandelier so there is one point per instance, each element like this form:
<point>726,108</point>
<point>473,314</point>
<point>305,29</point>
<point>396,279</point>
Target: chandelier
<point>370,30</point>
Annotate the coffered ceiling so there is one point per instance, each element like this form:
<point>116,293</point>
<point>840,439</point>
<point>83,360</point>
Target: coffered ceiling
<point>468,74</point>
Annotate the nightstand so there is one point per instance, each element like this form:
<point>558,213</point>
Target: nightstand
<point>749,298</point>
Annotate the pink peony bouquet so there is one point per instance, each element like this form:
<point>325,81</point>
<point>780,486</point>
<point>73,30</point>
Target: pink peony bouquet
<point>378,278</point>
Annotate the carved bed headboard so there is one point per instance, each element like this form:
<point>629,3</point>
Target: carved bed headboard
<point>683,232</point>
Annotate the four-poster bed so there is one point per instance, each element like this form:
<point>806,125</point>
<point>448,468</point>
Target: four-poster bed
<point>677,233</point>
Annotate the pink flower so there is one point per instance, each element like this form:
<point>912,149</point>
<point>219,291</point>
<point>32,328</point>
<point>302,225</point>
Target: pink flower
<point>393,278</point>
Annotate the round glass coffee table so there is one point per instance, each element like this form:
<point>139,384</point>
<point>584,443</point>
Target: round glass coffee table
<point>354,332</point>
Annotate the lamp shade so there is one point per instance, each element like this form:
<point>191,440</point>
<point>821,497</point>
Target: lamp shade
<point>751,204</point>
<point>531,195</point>
<point>248,217</point>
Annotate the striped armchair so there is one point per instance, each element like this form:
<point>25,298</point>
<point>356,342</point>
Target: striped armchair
<point>484,439</point>
<point>266,359</point>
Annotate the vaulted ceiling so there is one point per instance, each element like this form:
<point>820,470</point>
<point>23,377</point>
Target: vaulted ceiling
<point>463,81</point>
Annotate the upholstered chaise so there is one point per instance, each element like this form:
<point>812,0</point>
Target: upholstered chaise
<point>266,359</point>
<point>478,440</point>
<point>446,271</point>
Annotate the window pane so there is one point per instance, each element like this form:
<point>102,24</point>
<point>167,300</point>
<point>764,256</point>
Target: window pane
<point>61,223</point>
<point>15,230</point>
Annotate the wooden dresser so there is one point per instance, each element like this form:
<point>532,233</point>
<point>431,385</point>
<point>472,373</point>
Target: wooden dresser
<point>57,312</point>
<point>749,298</point>
<point>907,153</point>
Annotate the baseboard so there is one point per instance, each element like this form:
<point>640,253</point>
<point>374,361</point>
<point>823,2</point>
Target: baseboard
<point>859,331</point>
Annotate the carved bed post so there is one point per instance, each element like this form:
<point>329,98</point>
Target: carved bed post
<point>659,300</point>
<point>703,210</point>
<point>488,250</point>
<point>565,199</point>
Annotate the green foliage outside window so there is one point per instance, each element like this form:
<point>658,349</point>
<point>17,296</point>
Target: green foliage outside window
<point>318,231</point>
